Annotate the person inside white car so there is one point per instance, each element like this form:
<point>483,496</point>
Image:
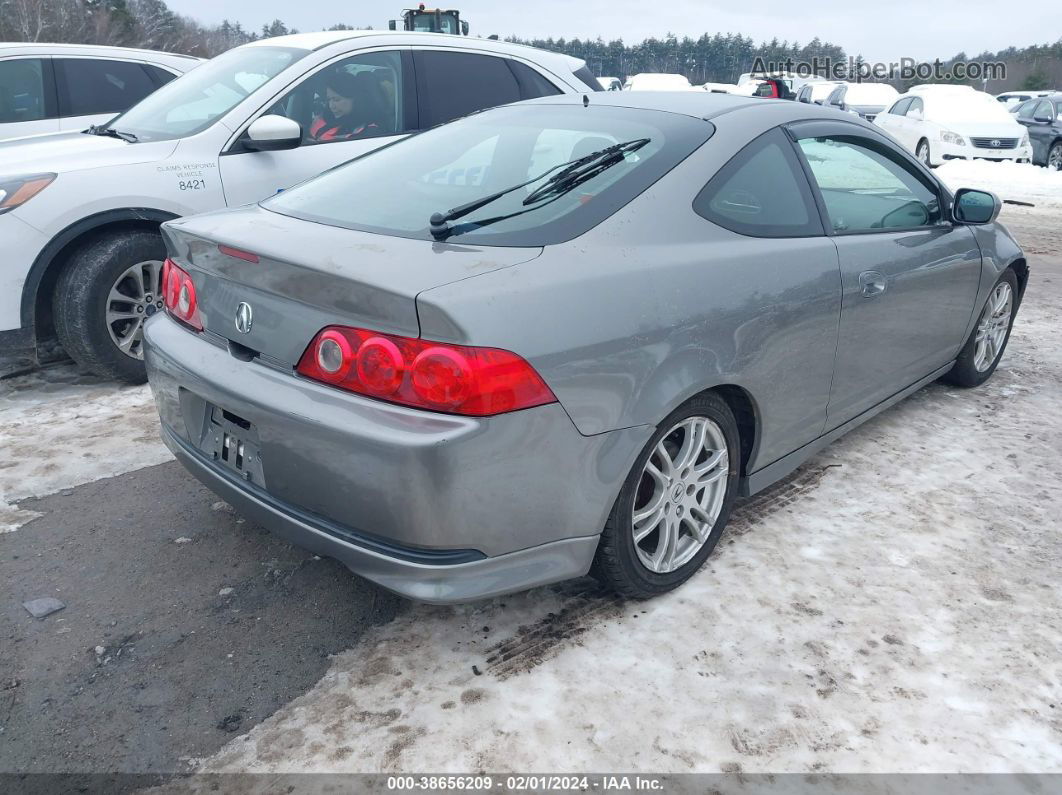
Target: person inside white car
<point>352,108</point>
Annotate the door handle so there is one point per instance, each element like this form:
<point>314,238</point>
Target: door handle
<point>872,283</point>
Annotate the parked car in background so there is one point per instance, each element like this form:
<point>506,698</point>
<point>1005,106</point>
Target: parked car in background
<point>610,83</point>
<point>81,211</point>
<point>47,88</point>
<point>955,123</point>
<point>719,88</point>
<point>654,81</point>
<point>1042,118</point>
<point>1014,97</point>
<point>730,285</point>
<point>864,99</point>
<point>773,88</point>
<point>817,92</point>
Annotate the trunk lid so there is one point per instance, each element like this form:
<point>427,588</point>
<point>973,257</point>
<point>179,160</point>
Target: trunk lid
<point>310,276</point>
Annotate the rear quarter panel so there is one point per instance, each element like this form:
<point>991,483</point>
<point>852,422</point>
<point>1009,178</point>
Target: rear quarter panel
<point>657,304</point>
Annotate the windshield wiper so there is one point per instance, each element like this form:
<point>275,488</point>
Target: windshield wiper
<point>574,173</point>
<point>110,132</point>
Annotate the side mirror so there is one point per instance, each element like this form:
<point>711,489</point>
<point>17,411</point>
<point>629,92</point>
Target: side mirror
<point>271,133</point>
<point>1042,119</point>
<point>464,28</point>
<point>392,24</point>
<point>975,206</point>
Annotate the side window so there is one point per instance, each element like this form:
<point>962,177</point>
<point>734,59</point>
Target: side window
<point>865,189</point>
<point>88,85</point>
<point>159,77</point>
<point>454,84</point>
<point>900,108</point>
<point>761,192</point>
<point>835,97</point>
<point>364,96</point>
<point>22,90</point>
<point>532,84</point>
<point>916,107</point>
<point>1043,110</point>
<point>1026,111</point>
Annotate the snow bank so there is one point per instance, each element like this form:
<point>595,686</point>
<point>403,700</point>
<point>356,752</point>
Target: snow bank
<point>59,429</point>
<point>1017,181</point>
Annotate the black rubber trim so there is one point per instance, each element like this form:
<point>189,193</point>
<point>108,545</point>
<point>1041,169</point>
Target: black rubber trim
<point>429,557</point>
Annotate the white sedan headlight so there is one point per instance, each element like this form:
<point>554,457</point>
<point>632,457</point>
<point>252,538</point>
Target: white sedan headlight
<point>949,137</point>
<point>16,191</point>
<point>1025,139</point>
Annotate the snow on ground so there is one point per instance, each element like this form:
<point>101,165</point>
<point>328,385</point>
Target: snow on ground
<point>59,429</point>
<point>1016,181</point>
<point>893,608</point>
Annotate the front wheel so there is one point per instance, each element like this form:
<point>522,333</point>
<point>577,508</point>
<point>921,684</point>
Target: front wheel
<point>675,502</point>
<point>922,153</point>
<point>109,288</point>
<point>981,354</point>
<point>1054,157</point>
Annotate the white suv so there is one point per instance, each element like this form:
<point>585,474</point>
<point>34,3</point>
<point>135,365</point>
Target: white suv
<point>47,88</point>
<point>80,213</point>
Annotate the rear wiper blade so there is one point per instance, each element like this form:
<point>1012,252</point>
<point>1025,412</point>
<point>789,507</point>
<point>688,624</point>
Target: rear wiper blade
<point>560,183</point>
<point>110,132</point>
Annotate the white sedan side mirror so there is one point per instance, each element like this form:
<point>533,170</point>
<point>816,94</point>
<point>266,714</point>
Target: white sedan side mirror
<point>272,132</point>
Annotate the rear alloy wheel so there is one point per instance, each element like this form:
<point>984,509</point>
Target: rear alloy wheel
<point>981,354</point>
<point>675,502</point>
<point>922,153</point>
<point>110,287</point>
<point>1054,157</point>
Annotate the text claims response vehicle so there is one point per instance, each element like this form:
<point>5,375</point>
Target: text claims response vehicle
<point>48,88</point>
<point>631,310</point>
<point>79,213</point>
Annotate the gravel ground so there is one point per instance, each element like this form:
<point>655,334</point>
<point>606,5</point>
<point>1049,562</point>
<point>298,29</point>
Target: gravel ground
<point>893,606</point>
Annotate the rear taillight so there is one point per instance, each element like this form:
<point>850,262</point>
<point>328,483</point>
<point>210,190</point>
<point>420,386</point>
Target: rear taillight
<point>178,293</point>
<point>456,379</point>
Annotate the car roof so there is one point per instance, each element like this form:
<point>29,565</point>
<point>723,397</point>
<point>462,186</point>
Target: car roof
<point>326,38</point>
<point>46,48</point>
<point>697,104</point>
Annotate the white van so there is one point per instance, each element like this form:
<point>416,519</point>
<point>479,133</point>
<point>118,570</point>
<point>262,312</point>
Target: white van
<point>80,212</point>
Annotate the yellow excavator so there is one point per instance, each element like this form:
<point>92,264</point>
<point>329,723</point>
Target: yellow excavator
<point>431,20</point>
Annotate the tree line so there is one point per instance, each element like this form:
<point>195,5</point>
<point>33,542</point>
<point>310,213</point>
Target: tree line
<point>717,57</point>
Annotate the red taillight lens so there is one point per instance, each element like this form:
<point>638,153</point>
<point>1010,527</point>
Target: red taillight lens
<point>456,379</point>
<point>178,293</point>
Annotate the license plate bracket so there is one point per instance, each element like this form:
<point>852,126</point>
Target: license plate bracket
<point>233,444</point>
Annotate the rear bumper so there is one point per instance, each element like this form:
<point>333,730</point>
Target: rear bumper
<point>423,582</point>
<point>435,507</point>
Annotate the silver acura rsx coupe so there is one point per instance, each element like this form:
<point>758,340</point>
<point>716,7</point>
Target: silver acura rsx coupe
<point>562,336</point>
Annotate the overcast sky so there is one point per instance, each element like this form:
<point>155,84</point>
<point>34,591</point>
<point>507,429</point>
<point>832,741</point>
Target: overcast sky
<point>881,31</point>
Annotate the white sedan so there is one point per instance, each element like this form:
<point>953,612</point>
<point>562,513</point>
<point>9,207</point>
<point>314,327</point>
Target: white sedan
<point>940,123</point>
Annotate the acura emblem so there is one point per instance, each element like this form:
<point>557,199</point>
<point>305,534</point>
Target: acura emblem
<point>995,143</point>
<point>244,318</point>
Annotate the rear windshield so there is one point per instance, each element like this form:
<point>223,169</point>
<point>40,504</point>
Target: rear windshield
<point>397,189</point>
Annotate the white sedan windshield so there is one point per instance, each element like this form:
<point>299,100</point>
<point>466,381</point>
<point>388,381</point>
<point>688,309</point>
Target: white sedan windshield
<point>192,103</point>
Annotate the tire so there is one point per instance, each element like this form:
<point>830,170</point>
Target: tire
<point>1054,157</point>
<point>969,369</point>
<point>82,302</point>
<point>922,152</point>
<point>620,562</point>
